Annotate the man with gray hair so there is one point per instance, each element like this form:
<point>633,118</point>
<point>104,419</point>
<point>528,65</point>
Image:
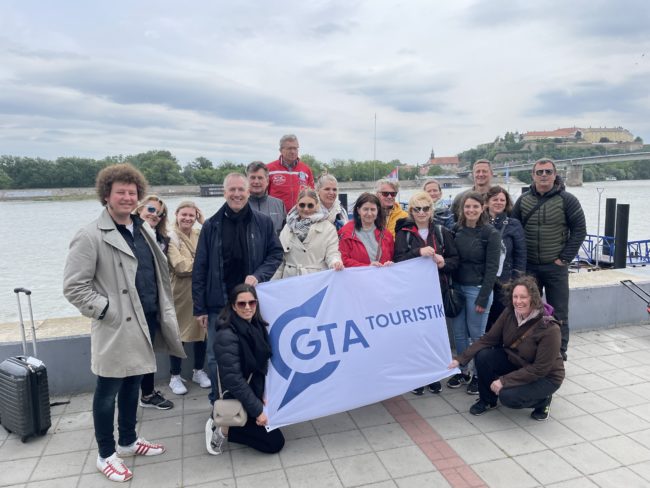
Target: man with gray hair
<point>260,200</point>
<point>287,175</point>
<point>236,245</point>
<point>387,191</point>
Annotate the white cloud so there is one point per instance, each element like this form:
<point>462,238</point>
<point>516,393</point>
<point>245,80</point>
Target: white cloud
<point>227,79</point>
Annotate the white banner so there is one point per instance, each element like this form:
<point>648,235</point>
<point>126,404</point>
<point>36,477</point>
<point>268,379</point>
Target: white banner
<point>346,339</point>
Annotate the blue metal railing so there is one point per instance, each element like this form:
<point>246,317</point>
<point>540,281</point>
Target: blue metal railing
<point>638,252</point>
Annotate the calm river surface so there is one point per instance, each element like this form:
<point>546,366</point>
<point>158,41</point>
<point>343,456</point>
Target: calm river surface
<point>36,234</point>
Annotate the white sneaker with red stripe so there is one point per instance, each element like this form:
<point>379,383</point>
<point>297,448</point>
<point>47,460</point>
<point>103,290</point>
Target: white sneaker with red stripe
<point>141,447</point>
<point>114,468</point>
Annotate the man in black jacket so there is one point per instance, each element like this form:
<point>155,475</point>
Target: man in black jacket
<point>236,245</point>
<point>555,227</point>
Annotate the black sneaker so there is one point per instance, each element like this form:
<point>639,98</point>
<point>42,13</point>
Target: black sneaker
<point>480,407</point>
<point>472,388</point>
<point>542,413</point>
<point>435,387</point>
<point>156,400</point>
<point>458,380</point>
<point>418,391</point>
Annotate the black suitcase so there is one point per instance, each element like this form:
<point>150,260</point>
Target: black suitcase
<point>24,392</point>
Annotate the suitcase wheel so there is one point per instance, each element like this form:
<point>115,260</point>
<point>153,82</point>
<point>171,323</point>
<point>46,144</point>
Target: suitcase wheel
<point>24,438</point>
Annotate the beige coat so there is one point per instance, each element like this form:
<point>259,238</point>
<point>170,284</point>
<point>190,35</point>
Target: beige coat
<point>100,269</point>
<point>181,259</point>
<point>318,252</point>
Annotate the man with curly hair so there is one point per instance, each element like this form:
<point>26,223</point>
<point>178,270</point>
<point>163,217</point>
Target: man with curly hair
<point>116,274</point>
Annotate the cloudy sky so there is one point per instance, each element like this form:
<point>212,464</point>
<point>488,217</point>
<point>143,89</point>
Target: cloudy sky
<point>226,79</point>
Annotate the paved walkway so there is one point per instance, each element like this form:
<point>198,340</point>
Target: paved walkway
<point>598,435</point>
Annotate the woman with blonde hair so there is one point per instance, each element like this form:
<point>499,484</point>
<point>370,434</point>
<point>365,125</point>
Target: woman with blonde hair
<point>182,248</point>
<point>309,241</point>
<point>418,235</point>
<point>327,188</point>
<point>153,210</point>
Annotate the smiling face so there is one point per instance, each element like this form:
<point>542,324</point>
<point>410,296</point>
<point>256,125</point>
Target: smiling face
<point>497,204</point>
<point>307,206</point>
<point>151,212</point>
<point>245,305</point>
<point>421,214</point>
<point>327,194</point>
<point>482,174</point>
<point>521,300</point>
<point>387,195</point>
<point>368,214</point>
<point>472,210</point>
<point>433,189</point>
<point>235,191</point>
<point>185,217</point>
<point>122,200</point>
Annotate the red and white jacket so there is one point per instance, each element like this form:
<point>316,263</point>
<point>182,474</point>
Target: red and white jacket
<point>285,182</point>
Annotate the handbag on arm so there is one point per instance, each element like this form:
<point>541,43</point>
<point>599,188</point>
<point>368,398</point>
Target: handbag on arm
<point>228,412</point>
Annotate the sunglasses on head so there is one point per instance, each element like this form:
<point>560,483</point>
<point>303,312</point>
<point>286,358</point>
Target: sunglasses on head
<point>540,172</point>
<point>242,304</point>
<point>421,209</point>
<point>308,205</point>
<point>388,194</point>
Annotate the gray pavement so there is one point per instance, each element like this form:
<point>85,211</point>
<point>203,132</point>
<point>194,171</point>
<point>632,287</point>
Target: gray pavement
<point>598,435</point>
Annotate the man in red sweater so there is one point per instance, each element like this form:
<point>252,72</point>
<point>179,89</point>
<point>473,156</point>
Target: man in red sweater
<point>288,174</point>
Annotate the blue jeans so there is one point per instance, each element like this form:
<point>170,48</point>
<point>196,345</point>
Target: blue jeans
<point>469,325</point>
<point>211,358</point>
<point>127,390</point>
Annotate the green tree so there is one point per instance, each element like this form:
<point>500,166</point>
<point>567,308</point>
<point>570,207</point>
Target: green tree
<point>5,180</point>
<point>435,170</point>
<point>159,167</point>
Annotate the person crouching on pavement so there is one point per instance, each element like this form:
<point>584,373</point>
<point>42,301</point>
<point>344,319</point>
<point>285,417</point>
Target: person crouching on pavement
<point>518,361</point>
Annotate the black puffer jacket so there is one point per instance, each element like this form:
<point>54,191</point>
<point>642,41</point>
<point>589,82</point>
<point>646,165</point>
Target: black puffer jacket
<point>512,234</point>
<point>408,243</point>
<point>234,373</point>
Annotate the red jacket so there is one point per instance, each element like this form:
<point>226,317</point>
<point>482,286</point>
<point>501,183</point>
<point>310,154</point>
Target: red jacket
<point>285,183</point>
<point>354,252</point>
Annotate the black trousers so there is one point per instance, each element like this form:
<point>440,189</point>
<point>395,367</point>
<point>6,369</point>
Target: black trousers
<point>146,387</point>
<point>493,363</point>
<point>257,437</point>
<point>200,348</point>
<point>497,305</point>
<point>553,281</point>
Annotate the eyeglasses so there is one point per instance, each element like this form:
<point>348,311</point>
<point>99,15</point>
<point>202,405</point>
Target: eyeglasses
<point>387,194</point>
<point>540,172</point>
<point>308,205</point>
<point>153,210</point>
<point>243,303</point>
<point>421,209</point>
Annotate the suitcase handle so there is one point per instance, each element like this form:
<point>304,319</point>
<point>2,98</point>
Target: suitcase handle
<point>27,292</point>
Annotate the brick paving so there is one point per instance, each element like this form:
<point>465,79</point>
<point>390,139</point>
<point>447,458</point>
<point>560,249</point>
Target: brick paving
<point>598,436</point>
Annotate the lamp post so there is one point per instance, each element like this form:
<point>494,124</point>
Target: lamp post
<point>598,236</point>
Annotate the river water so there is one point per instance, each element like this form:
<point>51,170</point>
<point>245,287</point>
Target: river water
<point>36,235</point>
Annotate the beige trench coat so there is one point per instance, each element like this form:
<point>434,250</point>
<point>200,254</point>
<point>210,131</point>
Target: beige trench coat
<point>100,269</point>
<point>181,260</point>
<point>318,252</point>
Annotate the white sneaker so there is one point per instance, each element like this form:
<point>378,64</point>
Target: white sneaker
<point>201,378</point>
<point>214,438</point>
<point>176,385</point>
<point>114,468</point>
<point>141,447</point>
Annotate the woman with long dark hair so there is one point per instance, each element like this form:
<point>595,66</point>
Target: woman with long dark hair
<point>243,348</point>
<point>365,241</point>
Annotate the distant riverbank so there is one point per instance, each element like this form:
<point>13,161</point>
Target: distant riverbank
<point>168,191</point>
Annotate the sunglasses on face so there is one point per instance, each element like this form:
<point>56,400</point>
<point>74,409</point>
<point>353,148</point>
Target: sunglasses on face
<point>242,304</point>
<point>153,210</point>
<point>388,194</point>
<point>540,172</point>
<point>306,205</point>
<point>421,209</point>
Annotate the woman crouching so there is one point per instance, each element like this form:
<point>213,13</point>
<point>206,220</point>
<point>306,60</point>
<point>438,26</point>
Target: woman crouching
<point>243,348</point>
<point>518,361</point>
